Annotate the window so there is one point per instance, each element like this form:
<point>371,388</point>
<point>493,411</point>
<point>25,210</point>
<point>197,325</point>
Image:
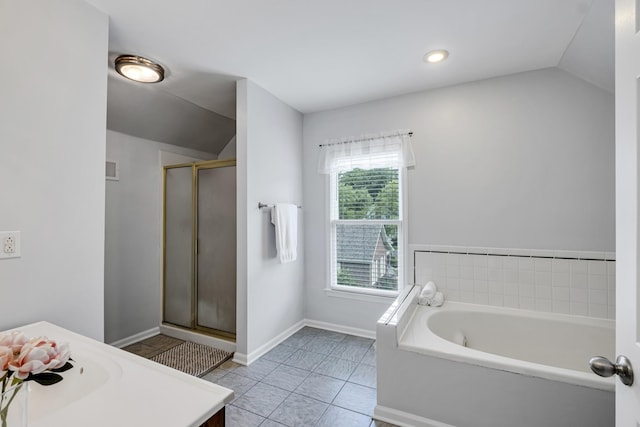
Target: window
<point>366,218</point>
<point>366,229</point>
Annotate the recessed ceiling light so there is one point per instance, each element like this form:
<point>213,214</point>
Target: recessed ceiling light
<point>139,69</point>
<point>436,56</point>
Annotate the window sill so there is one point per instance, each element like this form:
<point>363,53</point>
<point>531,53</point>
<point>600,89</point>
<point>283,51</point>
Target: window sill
<point>360,296</point>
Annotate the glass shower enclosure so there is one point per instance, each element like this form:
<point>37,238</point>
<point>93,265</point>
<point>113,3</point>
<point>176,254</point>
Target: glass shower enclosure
<point>199,248</point>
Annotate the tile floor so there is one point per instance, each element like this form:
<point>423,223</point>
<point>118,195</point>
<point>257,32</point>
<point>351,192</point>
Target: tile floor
<point>153,346</point>
<point>314,378</point>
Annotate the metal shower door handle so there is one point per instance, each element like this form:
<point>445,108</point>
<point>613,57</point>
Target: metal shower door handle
<point>605,368</point>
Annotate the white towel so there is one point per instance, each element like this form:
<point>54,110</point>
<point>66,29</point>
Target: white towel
<point>427,293</point>
<point>285,217</point>
<point>437,300</point>
<point>429,290</point>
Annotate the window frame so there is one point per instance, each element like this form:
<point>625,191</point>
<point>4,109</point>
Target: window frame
<point>401,223</point>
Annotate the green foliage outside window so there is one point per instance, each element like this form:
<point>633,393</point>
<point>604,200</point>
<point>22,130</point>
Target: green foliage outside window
<point>345,278</point>
<point>368,194</point>
<point>354,202</point>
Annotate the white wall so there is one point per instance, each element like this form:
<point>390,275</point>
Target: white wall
<point>52,143</point>
<point>521,161</point>
<point>269,155</point>
<point>133,246</point>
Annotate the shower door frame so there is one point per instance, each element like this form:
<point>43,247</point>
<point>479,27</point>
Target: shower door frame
<point>195,167</point>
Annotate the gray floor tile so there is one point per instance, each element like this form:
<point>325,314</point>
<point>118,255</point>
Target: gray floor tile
<point>335,416</point>
<point>360,341</point>
<point>305,360</point>
<point>356,398</point>
<point>364,375</point>
<point>298,340</point>
<point>352,352</point>
<point>257,370</point>
<point>143,350</point>
<point>376,423</point>
<point>215,375</point>
<point>280,353</point>
<point>320,345</point>
<point>336,368</point>
<point>353,401</point>
<point>261,399</point>
<point>308,330</point>
<point>237,383</point>
<point>332,336</point>
<point>238,417</point>
<point>370,357</point>
<point>320,387</point>
<point>286,377</point>
<point>299,410</point>
<point>153,346</point>
<point>162,342</point>
<point>269,423</point>
<point>229,365</point>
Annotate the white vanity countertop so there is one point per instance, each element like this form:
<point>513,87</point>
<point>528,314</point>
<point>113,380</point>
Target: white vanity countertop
<point>110,387</point>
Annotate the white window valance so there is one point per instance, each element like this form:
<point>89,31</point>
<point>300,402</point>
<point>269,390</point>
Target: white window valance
<point>392,150</point>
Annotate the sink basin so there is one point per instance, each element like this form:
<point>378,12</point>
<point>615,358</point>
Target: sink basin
<point>109,387</point>
<point>90,372</point>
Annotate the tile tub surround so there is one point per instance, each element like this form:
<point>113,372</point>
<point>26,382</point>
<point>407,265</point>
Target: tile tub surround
<point>568,282</point>
<point>314,378</point>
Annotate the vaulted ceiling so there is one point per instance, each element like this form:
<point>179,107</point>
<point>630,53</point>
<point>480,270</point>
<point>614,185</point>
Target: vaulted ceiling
<point>318,55</point>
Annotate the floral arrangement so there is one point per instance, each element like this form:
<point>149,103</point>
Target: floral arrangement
<point>22,359</point>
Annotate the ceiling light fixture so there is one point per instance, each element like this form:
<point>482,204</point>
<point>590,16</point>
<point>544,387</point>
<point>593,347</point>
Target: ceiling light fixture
<point>139,69</point>
<point>436,56</point>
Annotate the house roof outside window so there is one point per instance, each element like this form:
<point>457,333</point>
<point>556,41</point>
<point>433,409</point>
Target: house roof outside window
<point>358,243</point>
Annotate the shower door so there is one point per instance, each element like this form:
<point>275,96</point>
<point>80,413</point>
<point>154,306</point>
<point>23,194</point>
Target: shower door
<point>178,247</point>
<point>216,272</point>
<point>199,280</point>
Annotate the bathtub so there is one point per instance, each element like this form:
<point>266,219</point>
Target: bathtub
<point>467,365</point>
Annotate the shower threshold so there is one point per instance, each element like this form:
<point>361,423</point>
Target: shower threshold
<point>199,336</point>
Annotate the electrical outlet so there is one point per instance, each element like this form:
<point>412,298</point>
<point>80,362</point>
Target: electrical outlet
<point>9,244</point>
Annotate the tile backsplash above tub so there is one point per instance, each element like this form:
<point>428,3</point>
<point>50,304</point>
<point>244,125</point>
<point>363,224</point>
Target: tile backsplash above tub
<point>569,282</point>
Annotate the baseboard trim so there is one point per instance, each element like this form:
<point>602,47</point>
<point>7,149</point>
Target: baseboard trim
<point>240,358</point>
<point>197,338</point>
<point>404,419</point>
<point>340,328</point>
<point>136,337</point>
<point>247,359</point>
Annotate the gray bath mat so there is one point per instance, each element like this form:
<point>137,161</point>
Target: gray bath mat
<point>194,359</point>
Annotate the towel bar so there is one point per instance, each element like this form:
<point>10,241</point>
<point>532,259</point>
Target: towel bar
<point>265,205</point>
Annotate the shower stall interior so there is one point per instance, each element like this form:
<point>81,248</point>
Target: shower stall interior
<point>199,248</point>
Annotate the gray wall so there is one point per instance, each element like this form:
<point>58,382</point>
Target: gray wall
<point>52,151</point>
<point>521,161</point>
<point>269,155</point>
<point>229,150</point>
<point>148,112</point>
<point>133,242</point>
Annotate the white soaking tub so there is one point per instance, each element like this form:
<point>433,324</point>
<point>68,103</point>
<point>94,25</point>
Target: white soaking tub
<point>468,365</point>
